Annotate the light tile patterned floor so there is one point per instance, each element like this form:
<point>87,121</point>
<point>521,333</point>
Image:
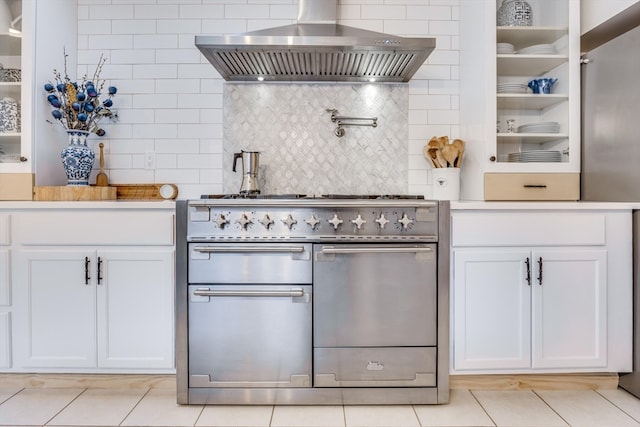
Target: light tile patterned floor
<point>475,408</point>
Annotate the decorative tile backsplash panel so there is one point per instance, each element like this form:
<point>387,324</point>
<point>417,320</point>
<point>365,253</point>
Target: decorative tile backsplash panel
<point>300,154</point>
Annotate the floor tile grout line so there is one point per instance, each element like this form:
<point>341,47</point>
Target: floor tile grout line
<point>618,407</point>
<point>552,408</point>
<point>65,407</point>
<point>483,408</point>
<point>134,406</point>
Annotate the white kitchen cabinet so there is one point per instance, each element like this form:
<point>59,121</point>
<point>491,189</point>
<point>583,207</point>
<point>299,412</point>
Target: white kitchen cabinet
<point>540,291</point>
<point>5,291</point>
<point>517,308</point>
<point>106,308</point>
<point>101,300</point>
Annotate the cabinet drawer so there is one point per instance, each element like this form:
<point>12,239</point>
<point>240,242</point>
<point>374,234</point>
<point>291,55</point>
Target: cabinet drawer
<point>5,236</point>
<point>528,228</point>
<point>94,228</point>
<point>531,186</point>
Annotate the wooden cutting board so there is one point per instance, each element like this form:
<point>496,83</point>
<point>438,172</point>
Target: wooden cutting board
<point>74,193</point>
<point>143,191</point>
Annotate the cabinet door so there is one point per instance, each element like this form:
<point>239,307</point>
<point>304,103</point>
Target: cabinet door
<point>55,322</point>
<point>570,308</point>
<point>491,309</point>
<point>135,308</point>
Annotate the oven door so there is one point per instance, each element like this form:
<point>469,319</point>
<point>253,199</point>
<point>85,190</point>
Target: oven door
<point>382,295</point>
<point>250,336</point>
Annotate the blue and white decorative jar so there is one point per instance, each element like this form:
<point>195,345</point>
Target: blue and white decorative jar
<point>77,158</point>
<point>514,13</point>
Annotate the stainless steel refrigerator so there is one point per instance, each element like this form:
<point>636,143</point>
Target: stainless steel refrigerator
<point>611,146</point>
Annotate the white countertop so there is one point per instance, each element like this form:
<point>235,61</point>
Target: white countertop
<point>92,204</point>
<point>483,205</point>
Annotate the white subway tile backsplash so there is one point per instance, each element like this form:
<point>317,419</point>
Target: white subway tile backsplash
<point>158,41</point>
<point>170,99</point>
<point>133,26</point>
<point>99,11</point>
<point>156,11</point>
<point>179,26</point>
<point>155,71</point>
<point>132,56</point>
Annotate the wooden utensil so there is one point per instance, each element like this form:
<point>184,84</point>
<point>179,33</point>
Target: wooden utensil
<point>450,154</point>
<point>427,153</point>
<point>101,178</point>
<point>459,144</point>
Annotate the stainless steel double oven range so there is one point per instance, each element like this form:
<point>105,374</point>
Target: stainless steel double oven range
<point>312,300</point>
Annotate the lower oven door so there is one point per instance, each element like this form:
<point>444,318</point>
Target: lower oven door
<point>250,336</point>
<point>375,295</point>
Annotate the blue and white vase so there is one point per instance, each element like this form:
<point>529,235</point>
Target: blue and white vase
<point>77,158</point>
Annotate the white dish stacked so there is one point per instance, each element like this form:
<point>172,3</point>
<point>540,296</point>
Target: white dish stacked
<point>537,156</point>
<point>511,88</point>
<point>541,127</point>
<point>504,48</point>
<point>538,49</point>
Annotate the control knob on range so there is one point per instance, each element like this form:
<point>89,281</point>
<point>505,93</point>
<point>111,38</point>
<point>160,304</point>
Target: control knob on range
<point>313,221</point>
<point>289,221</point>
<point>221,221</point>
<point>244,221</point>
<point>405,221</point>
<point>335,221</point>
<point>382,221</point>
<point>266,221</point>
<point>359,222</point>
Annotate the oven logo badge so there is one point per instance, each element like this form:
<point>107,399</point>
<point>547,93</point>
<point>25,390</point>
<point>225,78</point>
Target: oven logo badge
<point>375,366</point>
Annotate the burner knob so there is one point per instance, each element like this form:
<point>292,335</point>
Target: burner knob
<point>221,221</point>
<point>335,221</point>
<point>358,222</point>
<point>405,221</point>
<point>266,221</point>
<point>313,221</point>
<point>244,221</point>
<point>289,221</point>
<point>382,221</point>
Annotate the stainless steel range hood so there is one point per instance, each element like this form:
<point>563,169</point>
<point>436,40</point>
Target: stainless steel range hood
<point>315,49</point>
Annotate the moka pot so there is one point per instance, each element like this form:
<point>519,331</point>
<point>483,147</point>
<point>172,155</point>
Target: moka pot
<point>250,163</point>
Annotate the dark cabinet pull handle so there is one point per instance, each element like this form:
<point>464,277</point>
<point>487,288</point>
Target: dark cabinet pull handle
<point>540,271</point>
<point>99,271</point>
<point>86,270</point>
<point>534,186</point>
<point>528,263</point>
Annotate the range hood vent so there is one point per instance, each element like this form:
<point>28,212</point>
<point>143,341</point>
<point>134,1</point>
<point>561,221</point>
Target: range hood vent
<point>315,49</point>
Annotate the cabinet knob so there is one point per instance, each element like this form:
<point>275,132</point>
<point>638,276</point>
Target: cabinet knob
<point>492,158</point>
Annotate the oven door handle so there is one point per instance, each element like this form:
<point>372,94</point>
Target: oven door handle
<point>261,249</point>
<point>330,250</point>
<point>293,292</point>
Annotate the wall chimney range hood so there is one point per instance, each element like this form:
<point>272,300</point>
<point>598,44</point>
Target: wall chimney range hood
<point>315,49</point>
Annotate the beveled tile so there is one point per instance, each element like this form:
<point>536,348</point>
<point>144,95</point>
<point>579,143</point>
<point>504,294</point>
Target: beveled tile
<point>235,416</point>
<point>307,416</point>
<point>36,406</point>
<point>586,408</point>
<point>462,410</point>
<point>520,408</point>
<point>623,400</point>
<point>7,392</point>
<point>381,416</point>
<point>159,408</point>
<point>99,407</point>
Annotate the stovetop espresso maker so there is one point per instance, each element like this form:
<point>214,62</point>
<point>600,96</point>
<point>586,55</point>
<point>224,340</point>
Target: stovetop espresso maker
<point>250,163</point>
